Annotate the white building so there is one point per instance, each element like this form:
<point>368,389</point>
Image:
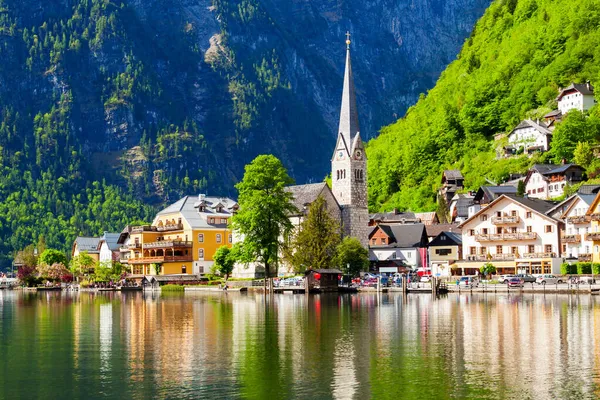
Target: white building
<point>577,226</point>
<point>531,136</point>
<point>397,247</point>
<point>547,181</point>
<point>108,248</point>
<point>576,97</point>
<point>515,234</point>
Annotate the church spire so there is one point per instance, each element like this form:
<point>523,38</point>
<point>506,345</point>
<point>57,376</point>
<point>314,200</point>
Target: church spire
<point>349,127</point>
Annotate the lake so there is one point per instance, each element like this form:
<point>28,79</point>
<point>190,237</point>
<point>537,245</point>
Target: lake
<point>197,345</point>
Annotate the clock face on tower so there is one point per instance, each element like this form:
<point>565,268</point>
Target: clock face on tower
<point>358,154</point>
<point>340,155</point>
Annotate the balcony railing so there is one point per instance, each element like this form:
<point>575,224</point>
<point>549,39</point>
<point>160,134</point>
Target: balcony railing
<point>143,228</point>
<point>160,259</point>
<point>134,245</point>
<point>594,236</point>
<point>539,255</point>
<point>571,238</point>
<point>170,227</point>
<point>494,237</point>
<point>579,219</point>
<point>477,257</point>
<point>167,243</point>
<point>506,219</point>
<point>595,216</point>
<point>584,258</point>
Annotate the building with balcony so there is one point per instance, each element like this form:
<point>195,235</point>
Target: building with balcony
<point>444,250</point>
<point>577,227</point>
<point>513,233</point>
<point>593,236</point>
<point>182,239</point>
<point>547,181</point>
<point>398,247</point>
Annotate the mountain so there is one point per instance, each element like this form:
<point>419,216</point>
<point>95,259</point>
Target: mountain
<point>106,106</point>
<point>511,67</point>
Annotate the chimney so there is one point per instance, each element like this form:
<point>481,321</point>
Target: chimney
<point>201,196</point>
<point>396,212</point>
<point>563,161</point>
<point>587,83</point>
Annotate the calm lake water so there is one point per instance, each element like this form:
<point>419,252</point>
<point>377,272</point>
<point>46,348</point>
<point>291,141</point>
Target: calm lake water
<point>360,346</point>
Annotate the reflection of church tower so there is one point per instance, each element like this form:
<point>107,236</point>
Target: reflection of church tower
<point>349,163</point>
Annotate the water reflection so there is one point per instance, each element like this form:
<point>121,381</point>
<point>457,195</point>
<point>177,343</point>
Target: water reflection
<point>147,345</point>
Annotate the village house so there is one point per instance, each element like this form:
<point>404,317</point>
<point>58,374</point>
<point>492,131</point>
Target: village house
<point>452,182</point>
<point>528,137</point>
<point>486,194</point>
<point>576,97</point>
<point>398,247</point>
<point>427,218</point>
<point>123,243</point>
<point>108,249</point>
<point>393,217</point>
<point>183,237</point>
<point>459,207</point>
<point>576,246</point>
<point>88,245</point>
<point>547,181</point>
<point>444,251</point>
<point>593,236</point>
<point>515,234</point>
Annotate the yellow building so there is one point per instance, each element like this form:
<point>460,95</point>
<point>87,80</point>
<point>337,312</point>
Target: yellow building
<point>594,235</point>
<point>88,245</point>
<point>183,237</point>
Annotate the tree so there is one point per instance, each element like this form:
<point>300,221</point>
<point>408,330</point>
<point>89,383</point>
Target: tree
<point>573,129</point>
<point>224,260</point>
<point>27,275</point>
<point>81,264</point>
<point>351,257</point>
<point>54,272</point>
<point>315,243</point>
<point>521,188</point>
<point>583,154</point>
<point>442,211</point>
<point>487,269</point>
<point>41,245</point>
<point>51,256</point>
<point>265,207</point>
<point>27,257</point>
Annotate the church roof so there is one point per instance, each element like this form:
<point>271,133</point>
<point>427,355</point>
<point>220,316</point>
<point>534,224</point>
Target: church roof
<point>306,194</point>
<point>349,127</point>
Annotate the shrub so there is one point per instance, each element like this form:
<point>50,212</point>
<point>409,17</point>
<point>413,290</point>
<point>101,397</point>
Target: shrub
<point>596,268</point>
<point>565,268</point>
<point>172,288</point>
<point>584,268</point>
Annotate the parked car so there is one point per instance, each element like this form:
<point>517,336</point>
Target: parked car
<point>547,279</point>
<point>468,281</point>
<point>505,278</point>
<point>515,282</point>
<point>526,278</point>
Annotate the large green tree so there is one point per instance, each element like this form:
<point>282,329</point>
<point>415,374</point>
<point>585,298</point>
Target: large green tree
<point>575,128</point>
<point>315,243</point>
<point>351,256</point>
<point>265,207</point>
<point>52,256</point>
<point>225,260</point>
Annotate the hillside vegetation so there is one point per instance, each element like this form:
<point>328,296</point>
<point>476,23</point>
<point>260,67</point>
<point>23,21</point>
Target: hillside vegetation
<point>511,67</point>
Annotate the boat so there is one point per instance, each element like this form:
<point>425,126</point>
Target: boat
<point>49,288</point>
<point>130,288</point>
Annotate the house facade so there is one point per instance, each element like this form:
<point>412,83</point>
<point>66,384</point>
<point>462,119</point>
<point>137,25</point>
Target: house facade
<point>576,245</point>
<point>444,251</point>
<point>88,245</point>
<point>593,236</point>
<point>576,97</point>
<point>183,237</point>
<point>514,234</point>
<point>108,249</point>
<point>529,137</point>
<point>546,181</point>
<point>398,247</point>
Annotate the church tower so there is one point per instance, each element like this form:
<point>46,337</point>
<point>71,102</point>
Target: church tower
<point>349,163</point>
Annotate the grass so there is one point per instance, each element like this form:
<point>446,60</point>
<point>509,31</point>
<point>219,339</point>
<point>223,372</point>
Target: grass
<point>172,288</point>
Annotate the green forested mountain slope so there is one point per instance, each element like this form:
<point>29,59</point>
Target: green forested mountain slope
<point>518,56</point>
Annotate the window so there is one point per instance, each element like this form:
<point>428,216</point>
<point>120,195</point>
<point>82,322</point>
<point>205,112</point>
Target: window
<point>382,240</point>
<point>513,250</point>
<point>548,248</point>
<point>498,213</point>
<point>529,229</point>
<point>498,249</point>
<point>483,217</point>
<point>531,248</point>
<point>548,229</point>
<point>409,254</point>
<point>485,231</point>
<point>471,232</point>
<point>443,252</point>
<point>513,229</point>
<point>211,220</point>
<point>373,241</point>
<point>218,238</point>
<point>472,251</point>
<point>201,254</point>
<point>482,250</point>
<point>513,213</point>
<point>230,238</point>
<point>183,269</point>
<point>201,238</point>
<point>223,220</point>
<point>498,230</point>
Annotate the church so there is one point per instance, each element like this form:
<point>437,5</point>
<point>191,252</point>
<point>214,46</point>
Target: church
<point>347,198</point>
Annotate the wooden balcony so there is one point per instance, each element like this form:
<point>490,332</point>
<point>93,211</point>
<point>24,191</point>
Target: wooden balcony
<point>134,245</point>
<point>594,216</point>
<point>595,236</point>
<point>506,220</point>
<point>163,244</point>
<point>539,255</point>
<point>496,237</point>
<point>579,219</point>
<point>143,228</point>
<point>503,257</point>
<point>160,259</point>
<point>571,238</point>
<point>169,227</point>
<point>477,257</point>
<point>584,258</point>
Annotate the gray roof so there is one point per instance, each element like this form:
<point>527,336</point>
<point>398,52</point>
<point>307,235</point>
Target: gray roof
<point>555,113</point>
<point>453,174</point>
<point>436,229</point>
<point>427,218</point>
<point>541,206</point>
<point>304,195</point>
<point>454,237</point>
<point>86,243</point>
<point>538,126</point>
<point>404,236</point>
<point>563,168</point>
<point>463,202</point>
<point>583,88</point>
<point>188,206</point>
<point>111,240</point>
<point>588,189</point>
<point>394,216</point>
<point>349,127</point>
<point>587,198</point>
<point>493,192</point>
